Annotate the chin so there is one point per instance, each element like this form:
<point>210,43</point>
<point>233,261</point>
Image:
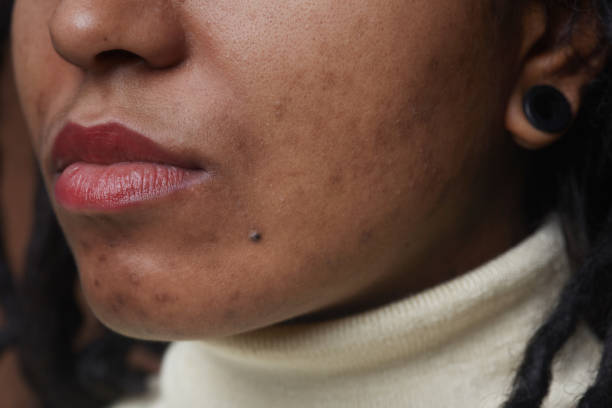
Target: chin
<point>155,304</point>
<point>129,312</point>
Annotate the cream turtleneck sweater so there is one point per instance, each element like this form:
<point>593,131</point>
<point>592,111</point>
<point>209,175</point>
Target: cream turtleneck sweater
<point>456,345</point>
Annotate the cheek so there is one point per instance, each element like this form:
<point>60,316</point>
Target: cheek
<point>44,80</point>
<point>352,142</point>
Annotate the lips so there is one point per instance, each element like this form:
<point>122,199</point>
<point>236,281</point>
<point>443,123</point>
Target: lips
<point>110,167</point>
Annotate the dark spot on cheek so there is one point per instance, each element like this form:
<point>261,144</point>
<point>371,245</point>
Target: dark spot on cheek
<point>102,258</point>
<point>134,278</point>
<point>434,64</point>
<point>165,298</point>
<point>97,283</point>
<point>235,296</point>
<point>336,179</point>
<point>366,236</point>
<point>208,237</point>
<point>279,110</point>
<point>281,106</point>
<point>41,105</point>
<point>117,302</point>
<point>229,314</point>
<point>85,246</point>
<point>329,81</point>
<point>119,299</point>
<point>255,236</point>
<point>141,313</point>
<point>200,237</point>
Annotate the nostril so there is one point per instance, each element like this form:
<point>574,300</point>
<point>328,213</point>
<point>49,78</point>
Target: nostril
<point>117,56</point>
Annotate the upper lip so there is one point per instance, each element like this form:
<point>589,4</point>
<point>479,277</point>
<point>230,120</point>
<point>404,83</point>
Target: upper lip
<point>107,144</point>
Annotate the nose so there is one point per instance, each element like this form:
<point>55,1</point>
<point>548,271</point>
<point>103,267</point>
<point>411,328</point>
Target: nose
<point>88,32</point>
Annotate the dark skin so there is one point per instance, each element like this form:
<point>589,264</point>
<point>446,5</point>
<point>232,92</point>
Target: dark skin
<point>17,186</point>
<point>336,235</point>
<point>376,154</point>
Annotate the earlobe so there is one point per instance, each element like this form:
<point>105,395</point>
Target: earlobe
<point>547,94</point>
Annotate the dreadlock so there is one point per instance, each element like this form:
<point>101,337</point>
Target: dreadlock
<point>577,171</point>
<point>43,318</point>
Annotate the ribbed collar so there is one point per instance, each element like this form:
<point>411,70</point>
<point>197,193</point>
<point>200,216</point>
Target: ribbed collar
<point>457,344</point>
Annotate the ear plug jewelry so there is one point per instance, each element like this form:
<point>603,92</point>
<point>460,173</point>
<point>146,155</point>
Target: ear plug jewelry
<point>547,109</point>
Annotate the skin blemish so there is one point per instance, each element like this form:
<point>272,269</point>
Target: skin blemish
<point>97,283</point>
<point>336,179</point>
<point>118,302</point>
<point>85,246</point>
<point>141,313</point>
<point>102,258</point>
<point>134,278</point>
<point>165,298</point>
<point>279,110</point>
<point>119,299</point>
<point>229,314</point>
<point>255,236</point>
<point>235,296</point>
<point>329,81</point>
<point>366,236</point>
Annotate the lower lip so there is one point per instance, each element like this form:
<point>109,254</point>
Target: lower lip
<point>85,186</point>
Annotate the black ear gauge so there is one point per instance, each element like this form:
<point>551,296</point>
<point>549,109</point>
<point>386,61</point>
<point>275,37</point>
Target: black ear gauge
<point>547,109</point>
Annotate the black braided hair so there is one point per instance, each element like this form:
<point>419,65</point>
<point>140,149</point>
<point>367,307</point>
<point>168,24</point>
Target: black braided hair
<point>5,18</point>
<point>576,173</point>
<point>43,318</point>
<point>8,299</point>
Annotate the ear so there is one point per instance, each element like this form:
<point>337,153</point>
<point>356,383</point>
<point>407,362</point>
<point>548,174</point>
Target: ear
<point>562,49</point>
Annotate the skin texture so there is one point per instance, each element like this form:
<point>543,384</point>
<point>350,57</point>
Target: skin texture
<point>18,181</point>
<point>364,141</point>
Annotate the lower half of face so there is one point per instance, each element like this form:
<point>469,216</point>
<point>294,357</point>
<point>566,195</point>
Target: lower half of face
<point>333,145</point>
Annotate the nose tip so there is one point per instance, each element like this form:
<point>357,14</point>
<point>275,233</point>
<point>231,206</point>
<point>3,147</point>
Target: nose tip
<point>84,32</point>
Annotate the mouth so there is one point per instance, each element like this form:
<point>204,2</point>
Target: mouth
<point>110,167</point>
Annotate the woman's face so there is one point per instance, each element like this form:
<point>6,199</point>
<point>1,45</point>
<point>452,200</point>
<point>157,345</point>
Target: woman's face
<point>299,157</point>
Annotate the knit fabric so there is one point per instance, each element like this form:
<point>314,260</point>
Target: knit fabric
<point>455,345</point>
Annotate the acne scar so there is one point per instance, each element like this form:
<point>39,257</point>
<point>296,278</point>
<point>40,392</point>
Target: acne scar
<point>335,179</point>
<point>85,246</point>
<point>117,303</point>
<point>119,299</point>
<point>235,296</point>
<point>280,108</point>
<point>134,279</point>
<point>366,236</point>
<point>329,81</point>
<point>165,298</point>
